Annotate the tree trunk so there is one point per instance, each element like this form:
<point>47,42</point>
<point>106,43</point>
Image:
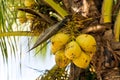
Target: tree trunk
<point>105,62</point>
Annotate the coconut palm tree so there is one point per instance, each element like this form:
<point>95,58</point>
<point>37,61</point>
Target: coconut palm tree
<point>47,17</point>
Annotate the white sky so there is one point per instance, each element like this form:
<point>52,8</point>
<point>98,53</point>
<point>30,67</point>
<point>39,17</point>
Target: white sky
<point>13,69</point>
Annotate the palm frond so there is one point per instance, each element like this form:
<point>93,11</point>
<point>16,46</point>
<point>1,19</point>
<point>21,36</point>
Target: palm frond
<point>19,33</point>
<point>8,16</point>
<point>55,73</point>
<point>57,8</point>
<point>6,25</point>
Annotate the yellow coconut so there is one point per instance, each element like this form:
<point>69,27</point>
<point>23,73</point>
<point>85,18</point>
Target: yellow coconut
<point>90,54</point>
<point>87,43</point>
<point>72,50</point>
<point>29,3</point>
<point>21,16</point>
<point>60,59</point>
<point>82,61</point>
<point>58,41</point>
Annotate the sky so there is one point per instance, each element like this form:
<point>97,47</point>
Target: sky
<point>12,70</point>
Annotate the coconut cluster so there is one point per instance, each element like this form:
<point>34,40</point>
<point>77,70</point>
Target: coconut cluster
<point>79,50</point>
<point>23,16</point>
